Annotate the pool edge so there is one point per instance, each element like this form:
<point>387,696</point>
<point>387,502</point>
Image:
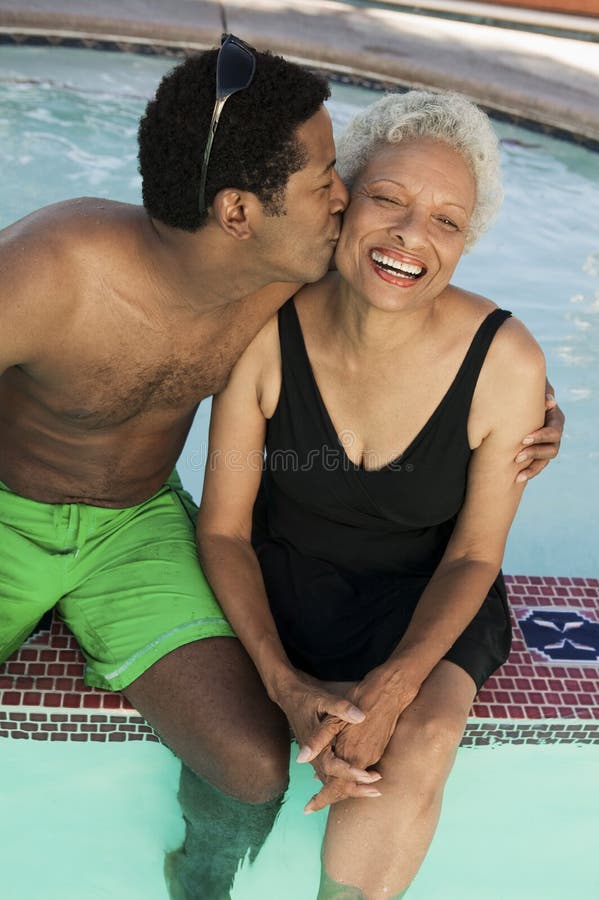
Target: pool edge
<point>510,94</point>
<point>533,698</point>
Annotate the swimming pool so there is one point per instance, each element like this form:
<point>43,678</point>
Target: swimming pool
<point>88,823</point>
<point>521,808</point>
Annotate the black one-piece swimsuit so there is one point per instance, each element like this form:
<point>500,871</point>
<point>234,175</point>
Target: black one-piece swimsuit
<point>347,552</point>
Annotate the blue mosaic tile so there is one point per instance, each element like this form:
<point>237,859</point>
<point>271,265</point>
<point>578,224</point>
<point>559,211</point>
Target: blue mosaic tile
<point>561,635</point>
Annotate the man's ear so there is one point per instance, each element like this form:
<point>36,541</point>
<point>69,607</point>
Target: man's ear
<point>233,211</point>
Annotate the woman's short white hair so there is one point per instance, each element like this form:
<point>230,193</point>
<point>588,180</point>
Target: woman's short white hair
<point>447,117</point>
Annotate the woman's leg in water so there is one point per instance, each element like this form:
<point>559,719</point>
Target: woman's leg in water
<point>374,847</point>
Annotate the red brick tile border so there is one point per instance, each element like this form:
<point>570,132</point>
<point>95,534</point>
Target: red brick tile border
<point>531,699</point>
<point>531,686</point>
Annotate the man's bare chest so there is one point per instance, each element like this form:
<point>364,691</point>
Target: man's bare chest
<point>105,384</point>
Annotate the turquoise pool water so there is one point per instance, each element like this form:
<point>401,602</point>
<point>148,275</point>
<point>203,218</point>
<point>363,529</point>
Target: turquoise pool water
<point>94,821</point>
<point>68,121</point>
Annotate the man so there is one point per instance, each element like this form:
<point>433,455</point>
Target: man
<point>115,322</point>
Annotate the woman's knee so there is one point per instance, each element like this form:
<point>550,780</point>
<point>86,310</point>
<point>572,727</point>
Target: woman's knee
<point>429,740</point>
<point>442,733</point>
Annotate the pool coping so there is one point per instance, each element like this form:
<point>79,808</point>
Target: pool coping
<point>28,723</point>
<point>532,699</point>
<point>565,24</point>
<point>541,80</point>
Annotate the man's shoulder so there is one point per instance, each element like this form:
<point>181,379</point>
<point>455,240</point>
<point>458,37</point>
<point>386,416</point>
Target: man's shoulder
<point>69,225</point>
<point>53,257</point>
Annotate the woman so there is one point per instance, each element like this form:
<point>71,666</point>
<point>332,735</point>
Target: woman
<point>391,404</point>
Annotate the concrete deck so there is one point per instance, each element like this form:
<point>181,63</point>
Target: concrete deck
<point>540,77</point>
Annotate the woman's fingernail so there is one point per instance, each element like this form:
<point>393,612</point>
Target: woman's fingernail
<point>549,397</point>
<point>521,477</point>
<point>521,457</point>
<point>528,440</point>
<point>355,714</point>
<point>373,794</point>
<point>304,755</point>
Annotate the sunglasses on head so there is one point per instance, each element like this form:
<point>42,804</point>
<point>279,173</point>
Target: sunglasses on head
<point>235,68</point>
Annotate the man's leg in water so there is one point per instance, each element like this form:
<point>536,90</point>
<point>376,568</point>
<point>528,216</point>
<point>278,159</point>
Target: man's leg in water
<point>213,819</point>
<point>149,626</point>
<point>208,704</point>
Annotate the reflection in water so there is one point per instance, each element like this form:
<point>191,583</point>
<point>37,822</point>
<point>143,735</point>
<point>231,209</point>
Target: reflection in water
<point>334,890</point>
<point>220,832</point>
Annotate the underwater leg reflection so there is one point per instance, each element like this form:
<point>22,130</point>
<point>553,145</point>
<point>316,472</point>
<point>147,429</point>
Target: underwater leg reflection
<point>220,832</point>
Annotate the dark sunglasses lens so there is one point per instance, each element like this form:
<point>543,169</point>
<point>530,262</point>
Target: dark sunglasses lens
<point>236,67</point>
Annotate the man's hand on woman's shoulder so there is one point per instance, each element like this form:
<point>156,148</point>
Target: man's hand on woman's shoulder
<point>542,445</point>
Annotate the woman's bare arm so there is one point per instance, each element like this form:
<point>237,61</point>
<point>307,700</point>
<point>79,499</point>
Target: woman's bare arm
<point>224,523</point>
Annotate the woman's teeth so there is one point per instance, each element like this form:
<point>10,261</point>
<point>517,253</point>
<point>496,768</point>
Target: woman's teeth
<point>404,270</point>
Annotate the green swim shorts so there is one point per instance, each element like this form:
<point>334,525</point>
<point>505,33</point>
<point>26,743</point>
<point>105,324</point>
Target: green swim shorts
<point>126,581</point>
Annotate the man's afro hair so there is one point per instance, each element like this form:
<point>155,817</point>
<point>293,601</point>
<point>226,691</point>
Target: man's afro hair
<point>255,147</point>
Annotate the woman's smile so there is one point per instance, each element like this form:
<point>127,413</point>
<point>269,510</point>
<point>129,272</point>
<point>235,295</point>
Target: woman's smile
<point>396,268</point>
